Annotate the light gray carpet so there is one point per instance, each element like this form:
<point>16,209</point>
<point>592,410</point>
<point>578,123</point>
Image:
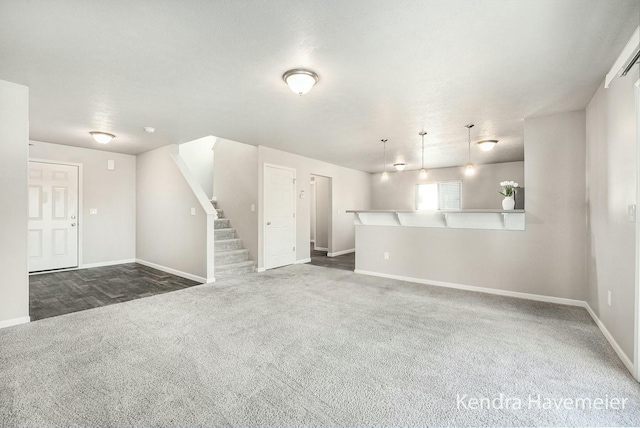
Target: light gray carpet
<point>307,345</point>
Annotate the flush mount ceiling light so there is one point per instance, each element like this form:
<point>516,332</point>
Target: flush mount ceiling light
<point>300,80</point>
<point>102,137</point>
<point>400,166</point>
<point>149,129</point>
<point>423,172</point>
<point>469,170</point>
<point>486,145</point>
<point>384,175</point>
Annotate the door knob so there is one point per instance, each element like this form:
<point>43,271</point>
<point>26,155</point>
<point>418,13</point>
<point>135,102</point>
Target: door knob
<point>268,223</point>
<point>73,224</point>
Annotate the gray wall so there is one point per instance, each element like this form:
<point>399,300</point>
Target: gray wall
<point>167,234</point>
<point>109,235</point>
<point>479,191</point>
<point>547,259</point>
<point>323,210</point>
<point>236,187</point>
<point>312,213</point>
<point>611,187</point>
<point>351,190</point>
<point>198,155</point>
<point>14,143</point>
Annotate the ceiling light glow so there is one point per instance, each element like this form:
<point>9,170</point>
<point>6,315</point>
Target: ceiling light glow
<point>300,81</point>
<point>486,145</point>
<point>102,137</point>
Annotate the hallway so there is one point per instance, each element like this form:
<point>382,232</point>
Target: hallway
<point>344,262</point>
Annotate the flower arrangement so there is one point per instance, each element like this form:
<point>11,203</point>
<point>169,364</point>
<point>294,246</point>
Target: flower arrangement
<point>508,187</point>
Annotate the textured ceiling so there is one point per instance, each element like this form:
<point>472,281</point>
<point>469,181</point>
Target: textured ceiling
<point>387,69</point>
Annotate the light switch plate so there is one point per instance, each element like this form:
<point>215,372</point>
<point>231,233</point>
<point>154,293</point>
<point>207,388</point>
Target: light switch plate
<point>193,211</point>
<point>111,165</point>
<point>631,213</point>
<point>93,211</point>
<point>253,208</point>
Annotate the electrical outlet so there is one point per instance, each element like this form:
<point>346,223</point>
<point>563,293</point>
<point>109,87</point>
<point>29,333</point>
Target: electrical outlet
<point>386,255</point>
<point>609,297</point>
<point>631,213</point>
<point>253,208</point>
<point>93,211</point>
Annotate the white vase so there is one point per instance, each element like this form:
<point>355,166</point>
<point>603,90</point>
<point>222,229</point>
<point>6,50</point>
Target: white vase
<point>508,203</point>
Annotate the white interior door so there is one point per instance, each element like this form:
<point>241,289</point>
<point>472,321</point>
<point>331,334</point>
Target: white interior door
<point>279,216</point>
<point>53,216</point>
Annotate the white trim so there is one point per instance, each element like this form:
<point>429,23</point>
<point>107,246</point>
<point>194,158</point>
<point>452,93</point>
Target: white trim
<point>339,253</point>
<point>497,291</point>
<point>110,263</point>
<point>174,271</point>
<point>260,269</point>
<point>14,321</point>
<point>320,248</point>
<point>625,360</point>
<point>624,56</point>
<point>636,326</point>
<point>80,218</point>
<point>302,261</point>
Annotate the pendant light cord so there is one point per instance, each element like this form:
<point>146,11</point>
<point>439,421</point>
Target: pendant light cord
<point>384,155</point>
<point>422,151</point>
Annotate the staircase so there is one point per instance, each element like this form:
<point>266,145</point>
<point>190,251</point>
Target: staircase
<point>231,258</point>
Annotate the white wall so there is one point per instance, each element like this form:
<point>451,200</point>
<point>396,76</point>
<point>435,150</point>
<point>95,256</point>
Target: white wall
<point>611,187</point>
<point>236,188</point>
<point>548,258</point>
<point>323,211</point>
<point>351,190</point>
<point>167,234</point>
<point>479,191</point>
<point>14,143</point>
<point>110,235</point>
<point>198,155</point>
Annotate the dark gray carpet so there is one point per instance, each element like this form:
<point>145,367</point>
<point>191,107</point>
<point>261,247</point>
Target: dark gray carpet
<point>306,345</point>
<point>57,293</point>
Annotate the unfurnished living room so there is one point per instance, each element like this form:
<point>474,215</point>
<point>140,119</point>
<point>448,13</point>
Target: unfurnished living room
<point>319,213</point>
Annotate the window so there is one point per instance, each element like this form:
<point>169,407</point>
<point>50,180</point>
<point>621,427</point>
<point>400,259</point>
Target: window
<point>438,196</point>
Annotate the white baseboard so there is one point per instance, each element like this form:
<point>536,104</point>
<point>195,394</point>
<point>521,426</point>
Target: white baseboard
<point>101,264</point>
<point>173,271</point>
<point>339,253</point>
<point>313,241</point>
<point>320,248</point>
<point>537,297</point>
<point>499,292</point>
<point>302,261</point>
<point>14,321</point>
<point>625,359</point>
<point>260,269</point>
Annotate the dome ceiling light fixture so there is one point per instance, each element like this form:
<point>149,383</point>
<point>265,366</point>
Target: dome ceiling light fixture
<point>423,172</point>
<point>400,166</point>
<point>300,80</point>
<point>102,137</point>
<point>469,169</point>
<point>385,175</point>
<point>487,145</point>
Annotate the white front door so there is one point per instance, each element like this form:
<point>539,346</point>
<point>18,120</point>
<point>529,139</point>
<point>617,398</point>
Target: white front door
<point>279,216</point>
<point>53,216</point>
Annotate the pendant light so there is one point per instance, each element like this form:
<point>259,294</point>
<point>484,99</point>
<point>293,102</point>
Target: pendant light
<point>423,172</point>
<point>469,170</point>
<point>384,176</point>
<point>400,166</point>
